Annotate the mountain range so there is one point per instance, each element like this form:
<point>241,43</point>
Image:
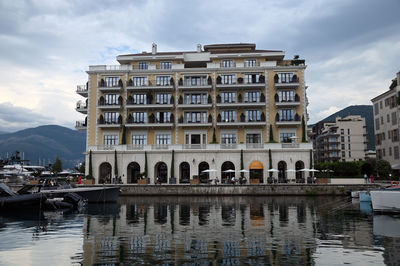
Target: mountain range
<point>41,145</point>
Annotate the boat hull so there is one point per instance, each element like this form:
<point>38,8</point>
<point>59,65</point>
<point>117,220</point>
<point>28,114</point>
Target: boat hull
<point>90,194</point>
<point>22,202</point>
<point>385,200</point>
<point>365,196</point>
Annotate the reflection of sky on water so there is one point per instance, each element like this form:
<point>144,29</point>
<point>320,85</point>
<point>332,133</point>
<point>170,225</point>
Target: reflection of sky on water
<point>224,231</point>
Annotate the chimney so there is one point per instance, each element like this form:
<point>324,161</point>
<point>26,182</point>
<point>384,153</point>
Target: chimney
<point>154,48</point>
<point>199,48</point>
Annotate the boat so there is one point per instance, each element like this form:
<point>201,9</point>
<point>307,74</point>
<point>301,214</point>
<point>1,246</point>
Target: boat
<point>355,194</point>
<point>9,200</point>
<point>386,200</point>
<point>365,196</point>
<point>54,187</point>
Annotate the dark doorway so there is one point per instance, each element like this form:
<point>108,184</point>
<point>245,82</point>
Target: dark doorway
<point>133,173</point>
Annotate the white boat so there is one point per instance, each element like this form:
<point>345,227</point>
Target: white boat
<point>386,200</point>
<point>365,196</point>
<point>355,194</point>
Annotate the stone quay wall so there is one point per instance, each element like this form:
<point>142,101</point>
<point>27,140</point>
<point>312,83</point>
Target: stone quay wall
<point>243,190</point>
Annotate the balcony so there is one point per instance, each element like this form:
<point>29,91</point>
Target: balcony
<point>132,105</point>
<point>239,103</point>
<point>187,104</point>
<point>284,84</point>
<point>80,125</point>
<point>103,123</point>
<point>243,121</point>
<point>81,107</point>
<point>203,85</point>
<point>152,122</point>
<point>111,68</point>
<point>288,122</point>
<point>149,85</point>
<point>82,90</point>
<point>195,123</point>
<point>104,87</point>
<point>288,102</point>
<point>105,105</point>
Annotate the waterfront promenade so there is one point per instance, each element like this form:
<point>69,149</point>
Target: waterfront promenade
<point>243,190</point>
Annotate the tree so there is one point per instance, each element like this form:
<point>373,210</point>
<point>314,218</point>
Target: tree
<point>172,164</point>
<point>115,163</point>
<point>57,166</point>
<point>241,163</point>
<point>145,164</point>
<point>303,130</point>
<point>90,164</point>
<point>383,169</point>
<point>270,161</point>
<point>271,134</point>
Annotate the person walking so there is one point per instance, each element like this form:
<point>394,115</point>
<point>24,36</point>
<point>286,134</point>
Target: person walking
<point>365,178</point>
<point>371,178</point>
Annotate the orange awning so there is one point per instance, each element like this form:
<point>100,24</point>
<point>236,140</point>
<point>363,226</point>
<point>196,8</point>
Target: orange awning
<point>256,165</point>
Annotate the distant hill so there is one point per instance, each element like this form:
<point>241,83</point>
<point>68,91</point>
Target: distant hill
<point>46,143</point>
<point>365,111</point>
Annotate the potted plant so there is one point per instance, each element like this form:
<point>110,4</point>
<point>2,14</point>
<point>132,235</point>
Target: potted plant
<point>89,180</point>
<point>240,80</point>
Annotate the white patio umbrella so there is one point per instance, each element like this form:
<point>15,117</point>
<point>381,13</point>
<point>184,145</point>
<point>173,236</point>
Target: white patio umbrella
<point>243,171</point>
<point>273,170</point>
<point>291,170</point>
<point>209,171</point>
<point>229,171</point>
<point>304,170</point>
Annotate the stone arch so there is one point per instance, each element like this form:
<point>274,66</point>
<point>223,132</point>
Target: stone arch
<point>133,173</point>
<point>226,176</point>
<point>204,177</point>
<point>282,167</point>
<point>256,172</point>
<point>105,173</point>
<point>299,174</point>
<point>184,173</point>
<point>161,172</point>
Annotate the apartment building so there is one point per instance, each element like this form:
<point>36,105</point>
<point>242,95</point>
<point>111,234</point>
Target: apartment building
<point>386,121</point>
<point>344,140</point>
<point>176,116</point>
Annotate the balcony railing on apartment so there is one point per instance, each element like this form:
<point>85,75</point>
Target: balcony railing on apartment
<point>102,103</point>
<point>287,102</point>
<point>82,90</point>
<point>103,85</point>
<point>242,119</point>
<point>293,82</point>
<point>111,68</point>
<point>202,121</point>
<point>240,100</point>
<point>149,84</point>
<point>237,146</point>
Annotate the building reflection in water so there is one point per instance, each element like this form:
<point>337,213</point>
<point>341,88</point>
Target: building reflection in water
<point>217,230</point>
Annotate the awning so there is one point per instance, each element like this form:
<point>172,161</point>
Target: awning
<point>396,166</point>
<point>255,165</point>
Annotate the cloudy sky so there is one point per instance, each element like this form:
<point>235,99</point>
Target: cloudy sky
<point>351,47</point>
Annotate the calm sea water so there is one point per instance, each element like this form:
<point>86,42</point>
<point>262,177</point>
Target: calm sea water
<point>205,231</point>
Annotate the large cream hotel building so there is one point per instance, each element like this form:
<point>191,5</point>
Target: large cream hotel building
<point>178,114</point>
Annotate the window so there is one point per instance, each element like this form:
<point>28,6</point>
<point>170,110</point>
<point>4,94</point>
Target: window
<point>196,81</point>
<point>343,154</point>
<point>228,138</point>
<point>285,77</point>
<point>395,135</point>
<point>195,117</point>
<point>163,139</point>
<point>396,152</point>
<point>394,118</point>
<point>143,65</point>
<point>228,116</point>
<point>348,131</point>
<point>228,97</point>
<point>376,109</point>
<point>165,65</point>
<point>377,124</point>
<point>163,117</point>
<point>384,152</point>
<point>111,99</point>
<point>349,154</point>
<point>163,98</point>
<point>111,81</point>
<point>253,138</point>
<point>253,115</point>
<point>139,139</point>
<point>111,117</point>
<point>343,146</point>
<point>349,146</point>
<point>388,118</point>
<point>139,99</point>
<point>342,131</point>
<point>342,138</point>
<point>196,98</point>
<point>110,139</point>
<point>286,137</point>
<point>251,78</point>
<point>228,79</point>
<point>163,80</point>
<point>139,81</point>
<point>348,138</point>
<point>252,97</point>
<point>139,117</point>
<point>227,63</point>
<point>250,63</point>
<point>286,96</point>
<point>195,138</point>
<point>390,151</point>
<point>286,115</point>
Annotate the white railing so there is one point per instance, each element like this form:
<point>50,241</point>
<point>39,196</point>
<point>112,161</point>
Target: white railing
<point>148,147</point>
<point>80,124</point>
<point>81,88</point>
<point>110,68</point>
